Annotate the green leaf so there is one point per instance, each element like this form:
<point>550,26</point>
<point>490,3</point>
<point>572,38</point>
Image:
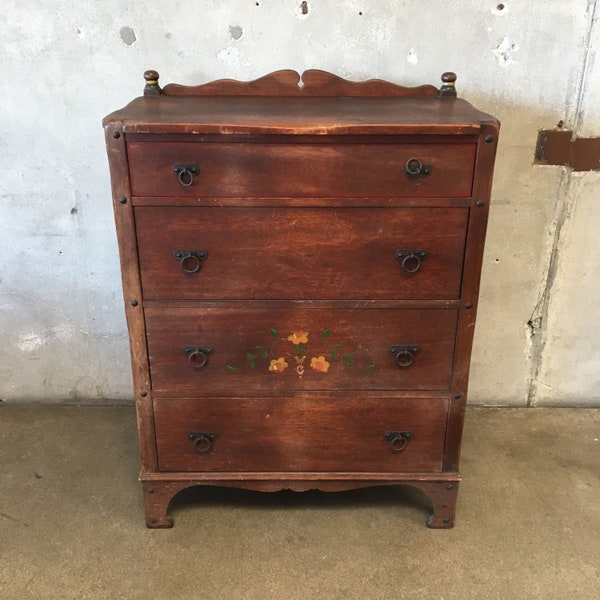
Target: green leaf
<point>333,354</point>
<point>263,351</point>
<point>231,368</point>
<point>369,368</point>
<point>348,358</point>
<point>326,333</point>
<point>274,333</point>
<point>252,365</point>
<point>251,356</point>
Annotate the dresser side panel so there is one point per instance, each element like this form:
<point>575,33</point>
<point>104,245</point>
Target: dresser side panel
<point>482,187</point>
<point>132,292</point>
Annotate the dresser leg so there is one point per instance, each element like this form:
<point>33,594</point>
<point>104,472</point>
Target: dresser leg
<point>157,495</point>
<point>443,495</point>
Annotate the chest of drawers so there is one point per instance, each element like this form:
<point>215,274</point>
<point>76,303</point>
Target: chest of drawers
<point>300,261</point>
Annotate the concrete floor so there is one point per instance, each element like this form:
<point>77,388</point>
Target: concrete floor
<point>71,520</point>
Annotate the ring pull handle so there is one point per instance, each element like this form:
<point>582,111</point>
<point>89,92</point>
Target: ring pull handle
<point>203,441</point>
<point>198,356</point>
<point>398,440</point>
<point>404,356</point>
<point>190,260</point>
<point>410,259</point>
<point>415,168</point>
<point>186,173</point>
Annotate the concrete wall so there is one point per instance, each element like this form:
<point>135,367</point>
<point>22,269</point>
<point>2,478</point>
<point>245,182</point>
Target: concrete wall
<point>64,65</point>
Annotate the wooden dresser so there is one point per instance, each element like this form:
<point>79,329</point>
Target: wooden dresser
<point>301,259</point>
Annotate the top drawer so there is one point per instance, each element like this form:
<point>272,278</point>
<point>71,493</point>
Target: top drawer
<point>302,169</point>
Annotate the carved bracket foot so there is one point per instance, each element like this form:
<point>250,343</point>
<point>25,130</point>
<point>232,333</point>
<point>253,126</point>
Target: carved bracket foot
<point>443,495</point>
<point>157,495</point>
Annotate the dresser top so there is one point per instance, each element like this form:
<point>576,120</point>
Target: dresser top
<point>278,104</point>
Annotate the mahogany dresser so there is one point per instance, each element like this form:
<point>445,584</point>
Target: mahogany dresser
<point>301,259</point>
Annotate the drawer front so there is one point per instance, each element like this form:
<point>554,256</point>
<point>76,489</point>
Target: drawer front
<point>300,434</point>
<point>303,169</point>
<point>301,253</point>
<point>227,350</point>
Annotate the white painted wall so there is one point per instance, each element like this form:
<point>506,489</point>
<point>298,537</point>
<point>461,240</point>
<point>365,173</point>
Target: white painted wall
<point>64,65</point>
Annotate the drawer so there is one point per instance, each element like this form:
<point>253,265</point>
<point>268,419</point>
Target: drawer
<point>300,434</point>
<point>300,169</point>
<point>301,253</point>
<point>228,350</point>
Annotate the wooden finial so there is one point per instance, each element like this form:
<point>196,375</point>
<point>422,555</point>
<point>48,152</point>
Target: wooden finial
<point>152,88</point>
<point>448,89</point>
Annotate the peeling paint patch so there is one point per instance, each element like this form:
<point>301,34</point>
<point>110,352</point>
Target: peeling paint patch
<point>127,35</point>
<point>504,51</point>
<point>229,56</point>
<point>30,341</point>
<point>236,32</point>
<point>412,57</point>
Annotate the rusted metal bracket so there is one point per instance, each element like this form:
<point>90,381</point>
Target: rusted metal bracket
<point>559,148</point>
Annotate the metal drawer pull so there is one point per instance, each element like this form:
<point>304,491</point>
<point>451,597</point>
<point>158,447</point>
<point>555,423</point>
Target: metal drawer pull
<point>186,174</point>
<point>198,356</point>
<point>203,441</point>
<point>404,355</point>
<point>398,439</point>
<point>415,168</point>
<point>190,260</point>
<point>410,259</point>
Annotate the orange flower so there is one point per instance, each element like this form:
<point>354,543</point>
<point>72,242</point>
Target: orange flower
<point>319,364</point>
<point>279,365</point>
<point>298,337</point>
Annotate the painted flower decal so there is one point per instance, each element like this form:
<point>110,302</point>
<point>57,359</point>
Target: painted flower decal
<point>299,337</point>
<point>327,352</point>
<point>319,364</point>
<point>279,365</point>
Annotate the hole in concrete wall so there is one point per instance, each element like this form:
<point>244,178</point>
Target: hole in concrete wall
<point>500,7</point>
<point>304,7</point>
<point>127,35</point>
<point>535,325</point>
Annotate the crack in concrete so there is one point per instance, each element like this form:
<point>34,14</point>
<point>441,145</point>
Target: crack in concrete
<point>537,323</point>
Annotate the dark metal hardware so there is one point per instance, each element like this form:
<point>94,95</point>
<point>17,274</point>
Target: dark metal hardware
<point>198,355</point>
<point>186,173</point>
<point>398,439</point>
<point>190,260</point>
<point>410,259</point>
<point>415,168</point>
<point>203,440</point>
<point>404,355</point>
